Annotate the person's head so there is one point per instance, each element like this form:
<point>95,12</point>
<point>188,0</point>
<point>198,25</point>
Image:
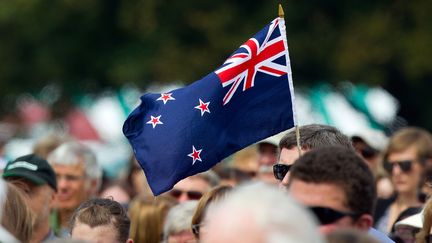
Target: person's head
<point>408,153</point>
<point>78,174</point>
<point>267,153</point>
<point>193,187</point>
<point>100,220</point>
<point>35,177</point>
<point>177,227</point>
<point>336,185</point>
<point>16,216</point>
<point>215,195</point>
<point>311,137</point>
<point>147,216</point>
<point>258,212</point>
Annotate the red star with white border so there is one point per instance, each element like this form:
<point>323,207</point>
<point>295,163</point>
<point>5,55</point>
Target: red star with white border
<point>203,107</point>
<point>154,121</point>
<point>165,97</point>
<point>195,155</point>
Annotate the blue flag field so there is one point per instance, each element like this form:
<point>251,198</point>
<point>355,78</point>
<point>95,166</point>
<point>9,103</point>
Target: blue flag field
<point>188,130</point>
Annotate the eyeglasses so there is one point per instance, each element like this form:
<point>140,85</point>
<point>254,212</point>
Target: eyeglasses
<point>280,170</point>
<point>328,215</point>
<point>192,195</point>
<point>196,229</point>
<point>405,165</point>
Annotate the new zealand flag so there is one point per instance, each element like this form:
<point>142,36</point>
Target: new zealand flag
<point>188,130</point>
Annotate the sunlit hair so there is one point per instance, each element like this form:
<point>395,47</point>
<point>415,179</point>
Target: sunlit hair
<point>216,194</point>
<point>411,137</point>
<point>102,212</point>
<point>427,222</point>
<point>73,153</point>
<point>315,136</point>
<point>147,216</point>
<point>17,217</point>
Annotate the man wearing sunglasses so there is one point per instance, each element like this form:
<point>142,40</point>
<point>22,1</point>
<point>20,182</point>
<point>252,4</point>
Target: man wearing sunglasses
<point>338,187</point>
<point>311,137</point>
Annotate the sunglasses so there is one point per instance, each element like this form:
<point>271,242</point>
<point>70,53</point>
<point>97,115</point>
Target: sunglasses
<point>280,170</point>
<point>192,195</point>
<point>404,166</point>
<point>328,215</point>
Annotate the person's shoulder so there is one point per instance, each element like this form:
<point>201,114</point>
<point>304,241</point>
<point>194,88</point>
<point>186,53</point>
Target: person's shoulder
<point>383,238</point>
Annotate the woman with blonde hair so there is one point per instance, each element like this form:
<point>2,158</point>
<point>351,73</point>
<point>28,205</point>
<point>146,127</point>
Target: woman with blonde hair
<point>147,215</point>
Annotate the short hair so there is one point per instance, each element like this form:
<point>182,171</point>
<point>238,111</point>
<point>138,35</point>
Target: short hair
<point>72,153</point>
<point>179,218</point>
<point>216,194</point>
<point>341,167</point>
<point>102,211</point>
<point>16,216</point>
<point>263,207</point>
<point>411,136</point>
<point>315,136</point>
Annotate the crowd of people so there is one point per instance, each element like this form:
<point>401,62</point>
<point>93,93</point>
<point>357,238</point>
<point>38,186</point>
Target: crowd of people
<point>332,188</point>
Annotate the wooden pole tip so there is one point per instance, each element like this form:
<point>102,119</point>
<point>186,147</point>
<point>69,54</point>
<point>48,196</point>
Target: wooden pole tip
<point>281,12</point>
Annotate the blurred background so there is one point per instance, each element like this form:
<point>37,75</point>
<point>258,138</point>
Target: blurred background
<point>79,67</point>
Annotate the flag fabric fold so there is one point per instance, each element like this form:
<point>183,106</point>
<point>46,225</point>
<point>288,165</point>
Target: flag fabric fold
<point>188,130</point>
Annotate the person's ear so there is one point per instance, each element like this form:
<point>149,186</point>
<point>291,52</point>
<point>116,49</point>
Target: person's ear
<point>364,222</point>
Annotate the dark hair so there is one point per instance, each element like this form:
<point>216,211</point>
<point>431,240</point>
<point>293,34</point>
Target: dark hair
<point>103,211</point>
<point>315,136</point>
<point>342,167</point>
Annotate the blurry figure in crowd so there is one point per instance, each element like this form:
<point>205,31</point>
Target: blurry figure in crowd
<point>370,144</point>
<point>409,151</point>
<point>177,228</point>
<point>246,160</point>
<point>338,187</point>
<point>147,216</point>
<point>15,214</point>
<point>78,178</point>
<point>100,220</point>
<point>215,195</point>
<point>193,187</point>
<point>137,180</point>
<point>230,176</point>
<point>425,218</point>
<point>402,231</point>
<point>311,137</point>
<point>117,190</point>
<point>349,236</point>
<point>45,145</point>
<point>267,157</point>
<point>35,177</point>
<point>256,213</point>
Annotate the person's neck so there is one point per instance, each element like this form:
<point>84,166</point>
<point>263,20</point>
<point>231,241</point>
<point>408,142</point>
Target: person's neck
<point>40,232</point>
<point>64,217</point>
<point>407,199</point>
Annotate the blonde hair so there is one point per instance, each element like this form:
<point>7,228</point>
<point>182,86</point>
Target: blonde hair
<point>17,217</point>
<point>147,216</point>
<point>427,222</point>
<point>411,137</point>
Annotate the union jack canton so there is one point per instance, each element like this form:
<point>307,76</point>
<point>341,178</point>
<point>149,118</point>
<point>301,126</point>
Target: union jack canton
<point>185,131</point>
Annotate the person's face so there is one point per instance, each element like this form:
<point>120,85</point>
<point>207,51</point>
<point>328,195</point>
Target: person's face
<point>267,154</point>
<point>98,234</point>
<point>184,236</point>
<point>288,157</point>
<point>323,195</point>
<point>40,198</point>
<point>405,181</point>
<point>190,188</point>
<point>72,185</point>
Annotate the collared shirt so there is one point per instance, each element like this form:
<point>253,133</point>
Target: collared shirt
<point>381,237</point>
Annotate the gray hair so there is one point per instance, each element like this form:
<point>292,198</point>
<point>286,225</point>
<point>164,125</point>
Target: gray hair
<point>72,153</point>
<point>210,177</point>
<point>179,218</point>
<point>315,136</point>
<point>263,209</point>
